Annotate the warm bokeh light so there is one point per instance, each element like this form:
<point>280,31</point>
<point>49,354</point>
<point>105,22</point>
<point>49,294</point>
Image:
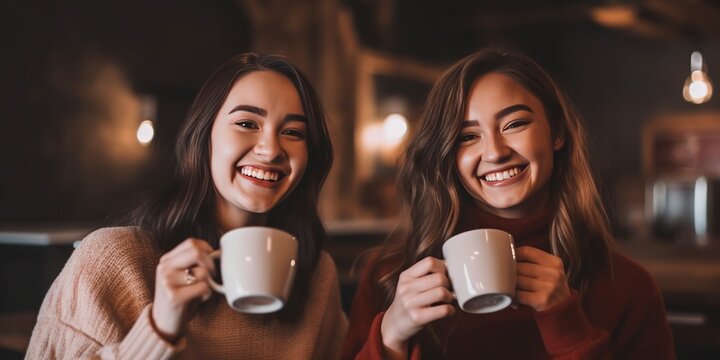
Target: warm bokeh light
<point>697,88</point>
<point>381,140</point>
<point>394,128</point>
<point>372,137</point>
<point>615,16</point>
<point>145,132</point>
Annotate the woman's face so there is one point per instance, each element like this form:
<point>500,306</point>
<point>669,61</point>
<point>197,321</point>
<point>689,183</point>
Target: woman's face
<point>505,153</point>
<point>258,147</point>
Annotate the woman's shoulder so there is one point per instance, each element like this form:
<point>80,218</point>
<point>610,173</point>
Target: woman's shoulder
<point>628,266</point>
<point>325,268</point>
<point>107,279</point>
<point>373,265</point>
<point>631,277</point>
<point>116,248</point>
<point>127,240</point>
<point>623,290</point>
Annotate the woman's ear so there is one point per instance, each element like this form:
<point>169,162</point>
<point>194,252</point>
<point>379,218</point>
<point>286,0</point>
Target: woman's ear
<point>559,142</point>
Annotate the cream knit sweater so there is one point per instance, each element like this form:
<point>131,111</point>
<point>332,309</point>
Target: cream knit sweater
<point>98,307</point>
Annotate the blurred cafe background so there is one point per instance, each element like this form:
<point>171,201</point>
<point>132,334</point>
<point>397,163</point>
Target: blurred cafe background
<point>92,94</point>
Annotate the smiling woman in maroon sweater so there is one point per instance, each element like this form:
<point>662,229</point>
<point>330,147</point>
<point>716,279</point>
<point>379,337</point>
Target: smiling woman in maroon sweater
<point>499,146</point>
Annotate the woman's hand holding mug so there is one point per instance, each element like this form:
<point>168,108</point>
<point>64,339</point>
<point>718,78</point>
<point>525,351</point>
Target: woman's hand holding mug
<point>541,281</point>
<point>180,284</point>
<point>421,296</point>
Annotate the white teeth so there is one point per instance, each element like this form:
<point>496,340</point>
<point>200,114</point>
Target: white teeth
<point>260,174</point>
<point>502,175</point>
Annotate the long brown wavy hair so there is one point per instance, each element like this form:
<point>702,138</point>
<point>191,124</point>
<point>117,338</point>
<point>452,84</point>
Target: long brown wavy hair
<point>432,195</point>
<point>187,207</point>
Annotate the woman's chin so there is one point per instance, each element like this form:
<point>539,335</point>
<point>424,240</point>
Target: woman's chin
<point>507,208</point>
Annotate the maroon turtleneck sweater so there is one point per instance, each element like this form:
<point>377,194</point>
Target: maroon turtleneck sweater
<point>621,317</point>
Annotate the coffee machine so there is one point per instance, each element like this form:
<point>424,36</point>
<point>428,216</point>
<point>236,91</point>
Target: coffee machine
<point>684,210</point>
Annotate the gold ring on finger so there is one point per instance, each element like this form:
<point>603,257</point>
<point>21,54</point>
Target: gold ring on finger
<point>189,277</point>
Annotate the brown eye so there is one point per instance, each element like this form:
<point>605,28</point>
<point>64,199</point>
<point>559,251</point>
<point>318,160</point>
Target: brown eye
<point>294,133</point>
<point>467,137</point>
<point>516,124</point>
<point>247,124</point>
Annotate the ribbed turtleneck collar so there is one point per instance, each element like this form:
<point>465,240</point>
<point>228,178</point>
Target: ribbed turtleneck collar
<point>532,230</point>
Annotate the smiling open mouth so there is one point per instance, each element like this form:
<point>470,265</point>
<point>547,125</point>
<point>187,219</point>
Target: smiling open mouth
<point>503,175</point>
<point>260,174</point>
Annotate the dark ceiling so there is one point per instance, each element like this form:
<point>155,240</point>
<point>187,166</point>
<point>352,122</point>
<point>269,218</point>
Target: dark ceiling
<point>444,30</point>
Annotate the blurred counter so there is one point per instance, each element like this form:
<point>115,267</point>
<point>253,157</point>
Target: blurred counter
<point>686,274</point>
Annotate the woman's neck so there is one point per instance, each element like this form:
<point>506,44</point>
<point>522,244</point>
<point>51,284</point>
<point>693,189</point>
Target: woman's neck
<point>228,220</point>
<point>532,205</point>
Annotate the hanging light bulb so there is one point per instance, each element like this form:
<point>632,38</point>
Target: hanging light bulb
<point>697,88</point>
<point>145,132</point>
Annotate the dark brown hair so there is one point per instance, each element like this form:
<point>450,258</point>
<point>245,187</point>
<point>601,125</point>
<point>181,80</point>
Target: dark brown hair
<point>432,195</point>
<point>187,207</point>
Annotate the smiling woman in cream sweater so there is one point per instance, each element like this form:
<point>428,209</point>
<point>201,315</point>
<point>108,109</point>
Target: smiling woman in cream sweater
<point>253,150</point>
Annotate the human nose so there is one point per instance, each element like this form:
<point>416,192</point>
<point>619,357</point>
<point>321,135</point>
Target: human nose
<point>268,147</point>
<point>496,150</point>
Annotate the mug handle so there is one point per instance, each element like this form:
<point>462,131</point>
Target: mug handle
<point>215,286</point>
<point>446,270</point>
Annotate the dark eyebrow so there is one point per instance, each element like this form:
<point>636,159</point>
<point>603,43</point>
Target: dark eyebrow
<point>263,112</point>
<point>511,109</point>
<point>469,123</point>
<point>500,114</point>
<point>250,109</point>
<point>296,117</point>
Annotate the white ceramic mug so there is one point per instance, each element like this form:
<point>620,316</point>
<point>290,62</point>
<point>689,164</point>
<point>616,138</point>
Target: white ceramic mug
<point>257,265</point>
<point>482,269</point>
